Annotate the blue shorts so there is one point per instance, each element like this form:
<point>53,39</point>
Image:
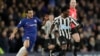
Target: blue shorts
<point>32,40</point>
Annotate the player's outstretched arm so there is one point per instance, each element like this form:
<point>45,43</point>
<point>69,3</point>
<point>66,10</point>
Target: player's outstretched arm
<point>13,33</point>
<point>73,3</point>
<point>21,23</point>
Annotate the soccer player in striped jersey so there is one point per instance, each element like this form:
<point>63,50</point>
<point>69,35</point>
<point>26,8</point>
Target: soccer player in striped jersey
<point>73,14</point>
<point>29,25</point>
<point>63,24</point>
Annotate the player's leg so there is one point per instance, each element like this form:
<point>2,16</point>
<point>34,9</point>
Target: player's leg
<point>63,50</point>
<point>63,46</point>
<point>23,51</point>
<point>50,46</point>
<point>76,38</point>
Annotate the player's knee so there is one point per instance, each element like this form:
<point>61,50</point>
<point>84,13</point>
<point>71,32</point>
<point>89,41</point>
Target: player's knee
<point>76,37</point>
<point>26,43</point>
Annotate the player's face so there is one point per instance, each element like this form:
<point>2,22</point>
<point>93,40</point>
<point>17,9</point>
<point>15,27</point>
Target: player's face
<point>66,13</point>
<point>30,14</point>
<point>73,4</point>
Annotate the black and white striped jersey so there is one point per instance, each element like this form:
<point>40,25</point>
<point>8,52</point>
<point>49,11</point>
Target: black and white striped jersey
<point>63,25</point>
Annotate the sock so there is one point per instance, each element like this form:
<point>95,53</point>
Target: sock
<point>22,51</point>
<point>77,45</point>
<point>77,48</point>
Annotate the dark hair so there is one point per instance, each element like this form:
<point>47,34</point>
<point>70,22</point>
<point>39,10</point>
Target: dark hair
<point>65,8</point>
<point>28,10</point>
<point>56,31</point>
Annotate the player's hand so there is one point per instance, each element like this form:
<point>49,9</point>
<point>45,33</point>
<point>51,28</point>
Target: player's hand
<point>12,36</point>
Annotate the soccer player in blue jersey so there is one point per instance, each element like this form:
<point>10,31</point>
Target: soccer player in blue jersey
<point>29,25</point>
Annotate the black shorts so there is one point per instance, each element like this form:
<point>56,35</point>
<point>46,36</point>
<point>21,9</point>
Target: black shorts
<point>74,30</point>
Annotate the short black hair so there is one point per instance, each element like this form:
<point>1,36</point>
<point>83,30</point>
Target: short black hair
<point>65,8</point>
<point>28,10</point>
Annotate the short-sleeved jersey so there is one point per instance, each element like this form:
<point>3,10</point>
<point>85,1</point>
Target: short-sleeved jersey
<point>29,25</point>
<point>63,25</point>
<point>73,14</point>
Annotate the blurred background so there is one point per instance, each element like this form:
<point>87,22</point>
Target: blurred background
<point>12,11</point>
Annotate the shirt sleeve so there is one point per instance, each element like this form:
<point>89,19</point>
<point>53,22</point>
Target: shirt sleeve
<point>20,24</point>
<point>55,21</point>
<point>74,21</point>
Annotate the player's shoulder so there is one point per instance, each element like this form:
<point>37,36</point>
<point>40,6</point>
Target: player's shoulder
<point>70,17</point>
<point>35,17</point>
<point>23,19</point>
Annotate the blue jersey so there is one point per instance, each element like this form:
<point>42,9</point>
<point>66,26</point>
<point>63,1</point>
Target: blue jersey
<point>29,25</point>
<point>30,30</point>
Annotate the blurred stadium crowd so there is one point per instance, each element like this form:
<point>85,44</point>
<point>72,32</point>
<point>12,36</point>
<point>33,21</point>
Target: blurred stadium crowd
<point>12,11</point>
